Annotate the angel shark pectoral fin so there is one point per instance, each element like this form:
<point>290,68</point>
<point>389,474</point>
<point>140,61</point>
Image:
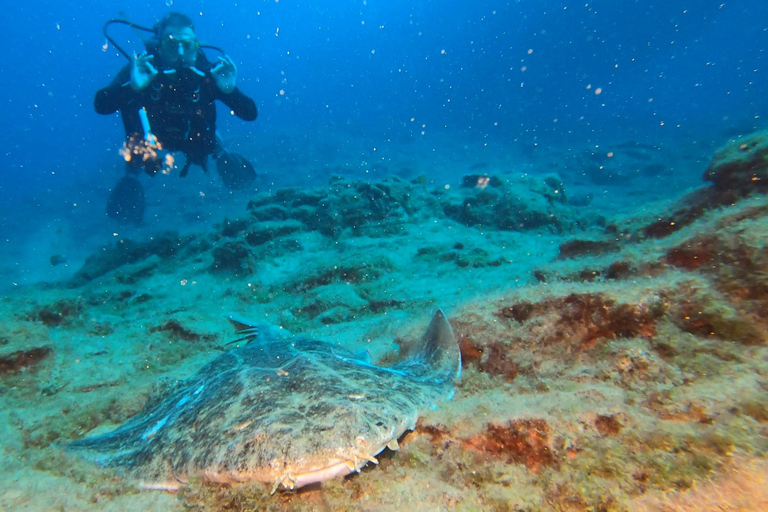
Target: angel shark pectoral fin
<point>363,355</point>
<point>254,331</point>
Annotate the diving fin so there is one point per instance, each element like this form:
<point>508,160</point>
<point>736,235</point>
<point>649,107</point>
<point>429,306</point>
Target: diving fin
<point>126,201</point>
<point>235,171</point>
<point>185,169</point>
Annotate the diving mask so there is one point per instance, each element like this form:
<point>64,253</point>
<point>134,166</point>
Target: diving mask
<point>181,46</point>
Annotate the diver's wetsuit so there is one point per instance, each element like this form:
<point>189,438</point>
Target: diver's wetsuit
<point>180,107</point>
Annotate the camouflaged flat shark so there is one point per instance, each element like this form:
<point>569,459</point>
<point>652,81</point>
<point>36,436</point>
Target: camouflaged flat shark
<point>288,412</point>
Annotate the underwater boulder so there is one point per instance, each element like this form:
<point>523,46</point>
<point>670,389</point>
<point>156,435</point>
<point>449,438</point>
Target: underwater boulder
<point>741,166</point>
<point>231,257</point>
<point>268,231</point>
<point>126,251</point>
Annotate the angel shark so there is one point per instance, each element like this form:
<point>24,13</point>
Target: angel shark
<point>284,411</point>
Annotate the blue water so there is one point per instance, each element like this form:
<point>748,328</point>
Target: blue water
<point>459,79</point>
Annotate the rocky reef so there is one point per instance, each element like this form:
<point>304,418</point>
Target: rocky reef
<point>610,363</point>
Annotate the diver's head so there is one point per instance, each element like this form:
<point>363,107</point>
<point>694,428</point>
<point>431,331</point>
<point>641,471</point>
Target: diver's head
<point>178,43</point>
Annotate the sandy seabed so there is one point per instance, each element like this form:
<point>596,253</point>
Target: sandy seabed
<point>613,359</point>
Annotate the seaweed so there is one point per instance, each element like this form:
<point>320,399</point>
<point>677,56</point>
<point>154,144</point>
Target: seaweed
<point>521,441</point>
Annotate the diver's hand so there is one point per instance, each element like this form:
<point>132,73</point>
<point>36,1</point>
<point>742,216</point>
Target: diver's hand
<point>225,74</point>
<point>142,71</point>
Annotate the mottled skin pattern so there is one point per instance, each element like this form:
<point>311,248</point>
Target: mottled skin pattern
<point>276,409</point>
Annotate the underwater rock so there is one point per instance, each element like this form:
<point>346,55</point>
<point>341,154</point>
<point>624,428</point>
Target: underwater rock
<point>526,205</point>
<point>736,306</point>
<point>232,257</point>
<point>132,273</point>
<point>58,313</point>
<point>233,228</point>
<point>480,181</point>
<point>668,224</point>
<point>520,441</point>
<point>336,296</point>
<point>581,200</point>
<point>381,208</point>
<point>335,315</point>
<point>268,212</point>
<point>619,270</point>
<point>21,360</point>
<point>287,203</point>
<point>608,425</point>
<point>268,231</point>
<point>707,315</point>
<point>352,270</point>
<point>582,320</point>
<point>477,210</point>
<point>497,360</point>
<point>176,331</point>
<point>380,305</point>
<point>363,207</point>
<point>737,170</point>
<point>357,206</point>
<point>127,251</point>
<point>553,189</point>
<point>58,259</point>
<point>740,167</point>
<point>619,164</point>
<point>471,352</point>
<point>693,254</point>
<point>474,258</point>
<point>577,248</point>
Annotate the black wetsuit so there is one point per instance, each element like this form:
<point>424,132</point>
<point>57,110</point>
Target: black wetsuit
<point>180,108</point>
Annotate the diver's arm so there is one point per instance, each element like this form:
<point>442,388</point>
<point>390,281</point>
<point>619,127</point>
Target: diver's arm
<point>240,104</point>
<point>112,97</point>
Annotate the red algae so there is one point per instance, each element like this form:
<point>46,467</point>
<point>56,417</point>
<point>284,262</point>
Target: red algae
<point>23,359</point>
<point>583,319</point>
<point>522,441</point>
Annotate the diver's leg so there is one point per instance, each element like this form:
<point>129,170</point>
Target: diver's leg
<point>218,147</point>
<point>126,200</point>
<point>234,170</point>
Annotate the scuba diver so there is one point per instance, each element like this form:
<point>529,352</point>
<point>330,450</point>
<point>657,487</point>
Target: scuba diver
<point>166,100</point>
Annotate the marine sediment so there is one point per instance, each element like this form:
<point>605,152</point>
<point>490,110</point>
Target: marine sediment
<point>609,362</point>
